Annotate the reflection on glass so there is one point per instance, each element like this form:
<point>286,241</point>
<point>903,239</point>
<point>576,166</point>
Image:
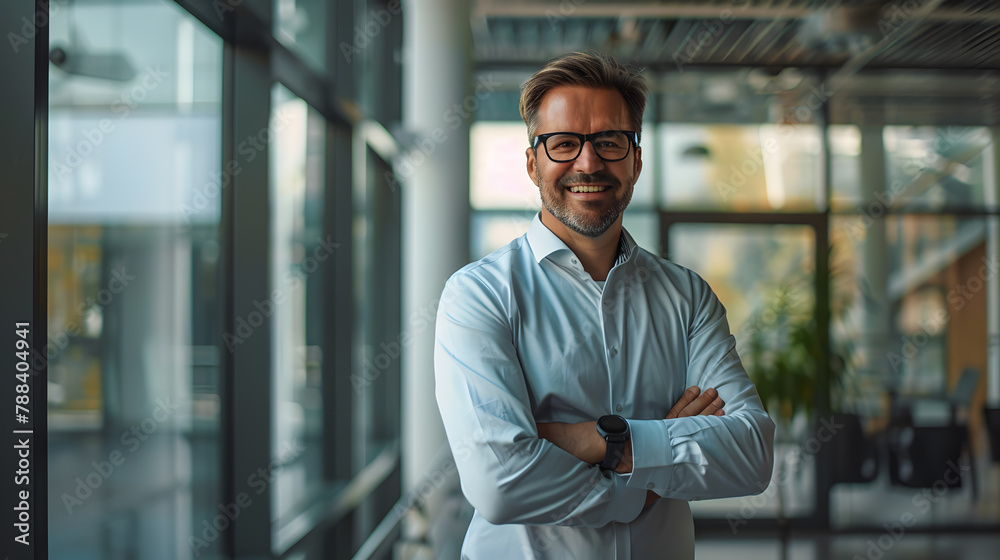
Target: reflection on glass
<point>930,168</point>
<point>918,294</point>
<point>133,309</point>
<point>300,25</point>
<point>741,167</point>
<point>926,169</point>
<point>297,253</point>
<point>763,275</point>
<point>845,167</point>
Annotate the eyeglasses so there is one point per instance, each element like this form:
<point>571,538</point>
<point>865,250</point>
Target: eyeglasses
<point>610,145</point>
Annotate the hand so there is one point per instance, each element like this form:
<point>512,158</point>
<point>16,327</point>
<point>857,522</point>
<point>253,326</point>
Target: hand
<point>694,402</point>
<point>651,498</point>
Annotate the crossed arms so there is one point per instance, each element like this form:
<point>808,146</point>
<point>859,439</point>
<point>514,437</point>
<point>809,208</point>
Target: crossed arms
<point>582,441</point>
<point>514,470</point>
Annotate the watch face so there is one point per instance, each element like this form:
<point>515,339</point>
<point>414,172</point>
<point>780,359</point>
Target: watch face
<point>613,424</point>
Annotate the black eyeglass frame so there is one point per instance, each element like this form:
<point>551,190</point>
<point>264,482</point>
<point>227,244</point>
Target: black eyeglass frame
<point>633,138</point>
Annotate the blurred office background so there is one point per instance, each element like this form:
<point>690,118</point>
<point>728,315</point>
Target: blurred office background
<point>253,205</point>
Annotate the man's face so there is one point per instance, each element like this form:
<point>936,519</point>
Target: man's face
<point>583,110</point>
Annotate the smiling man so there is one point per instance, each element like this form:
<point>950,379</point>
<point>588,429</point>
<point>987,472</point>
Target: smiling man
<point>589,388</point>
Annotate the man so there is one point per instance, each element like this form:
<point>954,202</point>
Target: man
<point>569,364</point>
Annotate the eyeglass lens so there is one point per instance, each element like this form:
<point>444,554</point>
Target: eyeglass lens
<point>566,147</point>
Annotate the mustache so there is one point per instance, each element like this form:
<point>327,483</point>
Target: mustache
<point>598,178</point>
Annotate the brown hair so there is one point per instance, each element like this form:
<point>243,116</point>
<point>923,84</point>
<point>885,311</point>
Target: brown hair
<point>593,70</point>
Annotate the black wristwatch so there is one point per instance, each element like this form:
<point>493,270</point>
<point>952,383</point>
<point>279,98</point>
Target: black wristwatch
<point>614,430</point>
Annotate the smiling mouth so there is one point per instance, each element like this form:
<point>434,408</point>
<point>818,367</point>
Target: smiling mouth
<point>588,188</point>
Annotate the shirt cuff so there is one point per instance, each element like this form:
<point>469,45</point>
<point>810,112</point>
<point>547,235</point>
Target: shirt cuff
<point>660,445</point>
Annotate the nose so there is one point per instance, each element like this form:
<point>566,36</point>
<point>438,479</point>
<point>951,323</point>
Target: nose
<point>588,160</point>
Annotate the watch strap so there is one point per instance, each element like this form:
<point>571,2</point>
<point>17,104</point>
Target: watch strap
<point>613,455</point>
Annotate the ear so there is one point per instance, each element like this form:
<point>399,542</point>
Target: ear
<point>532,165</point>
<point>637,164</point>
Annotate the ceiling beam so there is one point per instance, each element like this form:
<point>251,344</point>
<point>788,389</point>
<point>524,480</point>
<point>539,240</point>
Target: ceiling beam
<point>565,9</point>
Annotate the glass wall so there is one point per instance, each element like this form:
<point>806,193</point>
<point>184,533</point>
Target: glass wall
<point>915,292</point>
<point>133,309</point>
<point>741,168</point>
<point>298,250</point>
<point>301,25</point>
<point>911,306</point>
<point>160,295</point>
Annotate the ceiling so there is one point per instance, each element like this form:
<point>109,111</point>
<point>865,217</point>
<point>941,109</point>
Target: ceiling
<point>675,34</point>
<point>908,61</point>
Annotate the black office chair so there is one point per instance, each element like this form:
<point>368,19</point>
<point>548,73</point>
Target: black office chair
<point>922,456</point>
<point>853,457</point>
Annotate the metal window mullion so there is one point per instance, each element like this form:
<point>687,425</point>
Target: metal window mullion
<point>247,378</point>
<point>24,261</point>
<point>339,431</point>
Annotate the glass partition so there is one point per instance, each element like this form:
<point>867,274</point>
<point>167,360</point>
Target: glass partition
<point>914,252</point>
<point>298,250</point>
<point>301,25</point>
<point>740,168</point>
<point>133,309</point>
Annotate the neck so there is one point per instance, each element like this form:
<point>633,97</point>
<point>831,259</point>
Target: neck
<point>596,254</point>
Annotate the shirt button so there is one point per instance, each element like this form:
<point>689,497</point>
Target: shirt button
<point>650,486</point>
<point>614,351</point>
<point>618,408</point>
<point>574,261</point>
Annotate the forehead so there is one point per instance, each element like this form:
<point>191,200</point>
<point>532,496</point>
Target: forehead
<point>582,109</point>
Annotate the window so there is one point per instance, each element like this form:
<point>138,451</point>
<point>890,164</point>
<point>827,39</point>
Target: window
<point>134,309</point>
<point>298,250</point>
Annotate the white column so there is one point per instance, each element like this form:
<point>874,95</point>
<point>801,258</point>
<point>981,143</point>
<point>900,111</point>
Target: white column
<point>875,258</point>
<point>435,181</point>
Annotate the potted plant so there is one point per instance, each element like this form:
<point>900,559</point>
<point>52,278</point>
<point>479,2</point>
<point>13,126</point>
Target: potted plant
<point>783,356</point>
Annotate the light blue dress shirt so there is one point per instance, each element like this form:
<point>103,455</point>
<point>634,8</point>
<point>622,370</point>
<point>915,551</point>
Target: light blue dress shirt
<point>525,335</point>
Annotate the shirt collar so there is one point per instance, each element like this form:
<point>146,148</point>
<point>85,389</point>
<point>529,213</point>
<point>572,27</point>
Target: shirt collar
<point>544,243</point>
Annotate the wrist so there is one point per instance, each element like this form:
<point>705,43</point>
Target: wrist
<point>596,446</point>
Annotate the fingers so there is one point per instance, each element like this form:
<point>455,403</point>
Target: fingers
<point>687,397</point>
<point>714,402</point>
<point>694,402</point>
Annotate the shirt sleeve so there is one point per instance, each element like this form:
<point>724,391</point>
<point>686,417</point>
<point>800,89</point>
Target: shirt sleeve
<point>704,457</point>
<point>507,473</point>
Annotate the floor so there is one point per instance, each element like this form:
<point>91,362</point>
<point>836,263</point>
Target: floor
<point>852,547</point>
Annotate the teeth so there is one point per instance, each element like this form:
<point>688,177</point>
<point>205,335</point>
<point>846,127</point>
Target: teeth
<point>588,188</point>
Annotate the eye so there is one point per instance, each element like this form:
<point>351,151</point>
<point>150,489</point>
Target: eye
<point>611,141</point>
<point>563,142</point>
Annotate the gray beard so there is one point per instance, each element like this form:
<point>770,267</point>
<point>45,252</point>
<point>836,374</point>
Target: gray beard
<point>577,224</point>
